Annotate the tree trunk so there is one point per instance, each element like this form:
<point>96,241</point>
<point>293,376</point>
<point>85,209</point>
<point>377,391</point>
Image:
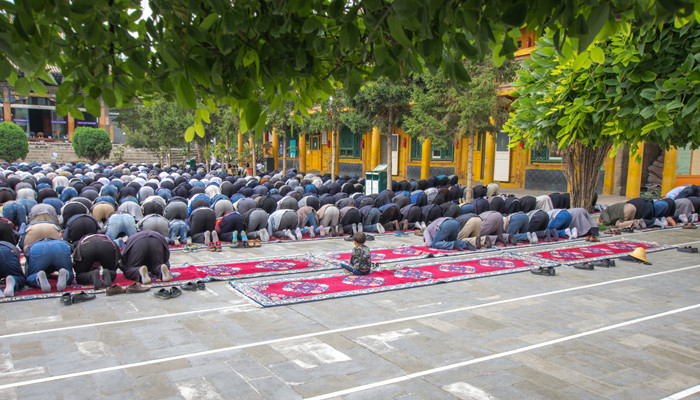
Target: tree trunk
<point>253,164</point>
<point>470,170</point>
<point>581,167</point>
<point>200,152</point>
<point>389,141</point>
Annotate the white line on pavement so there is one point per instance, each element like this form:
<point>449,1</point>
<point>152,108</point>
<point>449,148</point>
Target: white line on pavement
<point>326,332</point>
<point>499,355</point>
<point>683,394</point>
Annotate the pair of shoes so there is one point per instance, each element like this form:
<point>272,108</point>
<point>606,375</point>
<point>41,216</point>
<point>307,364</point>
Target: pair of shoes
<point>211,246</point>
<point>115,290</point>
<point>254,243</point>
<point>605,263</point>
<point>136,288</point>
<point>348,238</point>
<point>688,249</point>
<point>217,246</point>
<point>585,266</point>
<point>627,230</point>
<point>368,237</point>
<point>418,232</point>
<point>612,232</point>
<point>68,298</point>
<point>546,271</point>
<point>192,286</point>
<point>189,248</point>
<point>165,294</point>
<point>236,245</point>
<point>591,238</point>
<point>689,226</point>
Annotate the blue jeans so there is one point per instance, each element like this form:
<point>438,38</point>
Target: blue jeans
<point>466,209</point>
<point>446,236</point>
<point>660,208</point>
<point>561,221</point>
<point>519,224</point>
<point>352,270</point>
<point>106,199</point>
<point>48,255</point>
<point>16,213</point>
<point>120,223</point>
<point>371,221</point>
<point>10,266</point>
<point>178,229</point>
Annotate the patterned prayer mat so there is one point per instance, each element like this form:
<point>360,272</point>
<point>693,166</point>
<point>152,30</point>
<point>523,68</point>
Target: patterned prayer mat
<point>326,286</point>
<point>397,254</point>
<point>599,251</point>
<point>179,275</point>
<point>263,266</point>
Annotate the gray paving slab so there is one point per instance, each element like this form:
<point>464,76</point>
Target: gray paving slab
<point>452,323</point>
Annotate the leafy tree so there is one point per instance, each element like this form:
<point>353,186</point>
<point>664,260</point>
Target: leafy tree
<point>13,142</point>
<point>157,126</point>
<point>445,112</point>
<point>238,52</point>
<point>619,92</point>
<point>91,143</point>
<point>384,103</point>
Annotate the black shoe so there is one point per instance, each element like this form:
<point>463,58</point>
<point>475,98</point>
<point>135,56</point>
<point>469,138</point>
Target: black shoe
<point>547,271</point>
<point>585,266</point>
<point>66,299</point>
<point>501,239</point>
<point>81,297</point>
<point>607,263</point>
<point>555,235</point>
<point>348,239</point>
<point>487,242</point>
<point>369,237</point>
<point>174,292</point>
<point>162,294</point>
<point>478,242</point>
<point>189,286</point>
<point>106,277</point>
<point>200,285</point>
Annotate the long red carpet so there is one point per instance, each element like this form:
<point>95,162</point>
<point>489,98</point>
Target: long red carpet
<point>289,290</point>
<point>599,251</point>
<point>179,275</point>
<point>263,267</point>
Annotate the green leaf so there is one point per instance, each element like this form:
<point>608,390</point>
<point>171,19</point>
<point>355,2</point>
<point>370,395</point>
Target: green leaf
<point>92,105</point>
<point>674,104</point>
<point>185,93</point>
<point>204,113</point>
<point>108,97</point>
<point>649,94</point>
<point>582,61</point>
<point>252,114</point>
<point>198,128</point>
<point>515,14</point>
<point>648,76</point>
<point>37,87</point>
<point>189,134</point>
<point>22,86</point>
<point>597,55</point>
<point>310,25</point>
<point>397,32</point>
<point>208,21</point>
<point>647,112</point>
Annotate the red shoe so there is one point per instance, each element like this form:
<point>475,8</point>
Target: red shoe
<point>212,246</point>
<point>218,247</point>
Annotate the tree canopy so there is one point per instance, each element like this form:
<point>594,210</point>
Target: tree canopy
<point>91,143</point>
<point>244,51</point>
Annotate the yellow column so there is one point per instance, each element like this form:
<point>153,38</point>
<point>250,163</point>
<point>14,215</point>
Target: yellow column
<point>240,147</point>
<point>489,157</point>
<point>71,127</point>
<point>668,181</point>
<point>104,119</point>
<point>458,157</point>
<point>275,148</point>
<point>302,153</point>
<point>335,147</point>
<point>609,180</point>
<point>375,148</point>
<point>634,173</point>
<point>6,106</point>
<point>425,159</point>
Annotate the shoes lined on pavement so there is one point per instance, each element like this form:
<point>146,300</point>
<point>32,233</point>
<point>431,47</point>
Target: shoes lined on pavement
<point>546,271</point>
<point>115,290</point>
<point>136,288</point>
<point>585,266</point>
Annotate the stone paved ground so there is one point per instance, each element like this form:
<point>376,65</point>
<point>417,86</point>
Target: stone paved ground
<point>629,332</point>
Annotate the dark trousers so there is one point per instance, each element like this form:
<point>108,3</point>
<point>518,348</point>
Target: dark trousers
<point>95,251</point>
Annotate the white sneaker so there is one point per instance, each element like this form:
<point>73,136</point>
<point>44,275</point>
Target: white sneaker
<point>683,218</point>
<point>264,235</point>
<point>694,217</point>
<point>659,223</point>
<point>62,280</point>
<point>43,281</point>
<point>574,233</point>
<point>9,286</point>
<point>380,229</point>
<point>289,234</point>
<point>297,233</point>
<point>568,233</point>
<point>423,225</point>
<point>529,237</point>
<point>360,228</point>
<point>535,239</point>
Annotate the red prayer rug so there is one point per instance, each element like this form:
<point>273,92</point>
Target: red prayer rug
<point>387,255</point>
<point>599,251</point>
<point>179,275</point>
<point>263,266</point>
<point>289,291</point>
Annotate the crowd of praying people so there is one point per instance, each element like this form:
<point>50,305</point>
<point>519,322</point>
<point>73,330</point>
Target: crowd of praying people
<point>86,221</point>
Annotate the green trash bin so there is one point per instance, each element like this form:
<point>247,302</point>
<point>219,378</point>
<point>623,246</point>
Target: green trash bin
<point>192,163</point>
<point>375,180</point>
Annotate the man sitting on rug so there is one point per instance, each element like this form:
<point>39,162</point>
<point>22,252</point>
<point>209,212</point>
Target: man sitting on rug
<point>361,257</point>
